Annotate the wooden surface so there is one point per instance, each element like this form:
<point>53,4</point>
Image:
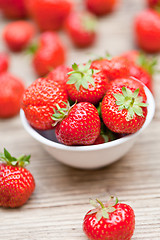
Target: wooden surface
<point>57,207</point>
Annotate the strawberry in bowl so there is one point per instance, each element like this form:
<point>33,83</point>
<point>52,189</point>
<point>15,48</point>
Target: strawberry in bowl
<point>85,119</point>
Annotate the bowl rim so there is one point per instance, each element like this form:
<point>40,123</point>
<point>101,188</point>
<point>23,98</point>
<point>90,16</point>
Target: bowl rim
<point>47,142</point>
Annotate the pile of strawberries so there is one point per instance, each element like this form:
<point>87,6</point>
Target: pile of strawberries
<point>93,102</point>
<point>87,104</point>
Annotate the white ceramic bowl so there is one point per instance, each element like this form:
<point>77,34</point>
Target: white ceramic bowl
<point>93,156</point>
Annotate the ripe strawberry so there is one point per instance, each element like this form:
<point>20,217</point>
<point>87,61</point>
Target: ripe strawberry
<point>79,125</point>
<point>86,84</point>
<point>111,221</point>
<point>13,8</point>
<point>18,35</point>
<point>11,92</point>
<point>16,183</point>
<point>4,62</point>
<point>124,106</point>
<point>59,74</point>
<point>49,54</point>
<point>101,7</point>
<point>81,28</point>
<point>153,3</point>
<point>141,67</point>
<point>39,100</point>
<point>49,15</point>
<point>147,30</point>
<point>117,67</point>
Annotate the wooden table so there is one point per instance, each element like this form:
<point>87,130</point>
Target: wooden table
<point>57,207</point>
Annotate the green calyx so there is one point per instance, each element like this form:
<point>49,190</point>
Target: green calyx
<point>82,75</point>
<point>103,210</point>
<point>32,48</point>
<point>22,161</point>
<point>131,101</point>
<point>60,113</point>
<point>147,63</point>
<point>89,22</point>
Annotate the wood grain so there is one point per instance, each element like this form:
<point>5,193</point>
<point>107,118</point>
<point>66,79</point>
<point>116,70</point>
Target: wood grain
<point>57,207</point>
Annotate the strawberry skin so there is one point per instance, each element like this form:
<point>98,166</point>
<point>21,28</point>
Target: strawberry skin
<point>50,53</point>
<point>153,3</point>
<point>11,93</point>
<point>80,127</point>
<point>147,30</point>
<point>59,74</point>
<point>39,100</point>
<point>49,15</point>
<point>118,119</point>
<point>81,28</point>
<point>4,62</point>
<point>93,84</point>
<point>14,193</point>
<point>100,7</point>
<point>13,8</point>
<point>120,225</point>
<point>141,67</point>
<point>18,35</point>
<point>117,67</point>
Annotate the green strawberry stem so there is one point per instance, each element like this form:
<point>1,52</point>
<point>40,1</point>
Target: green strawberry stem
<point>149,64</point>
<point>131,101</point>
<point>22,161</point>
<point>89,22</point>
<point>61,113</point>
<point>82,75</point>
<point>104,209</point>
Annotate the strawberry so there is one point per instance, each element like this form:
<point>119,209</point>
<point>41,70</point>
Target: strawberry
<point>49,54</point>
<point>18,35</point>
<point>117,67</point>
<point>78,125</point>
<point>124,106</point>
<point>59,74</point>
<point>101,7</point>
<point>39,100</point>
<point>4,62</point>
<point>16,182</point>
<point>86,84</point>
<point>11,93</point>
<point>49,15</point>
<point>13,8</point>
<point>147,30</point>
<point>141,67</point>
<point>153,3</point>
<point>81,28</point>
<point>112,221</point>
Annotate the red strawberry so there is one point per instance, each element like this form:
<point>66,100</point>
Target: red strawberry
<point>4,62</point>
<point>117,67</point>
<point>100,7</point>
<point>49,54</point>
<point>80,126</point>
<point>59,74</point>
<point>18,35</point>
<point>153,3</point>
<point>141,67</point>
<point>49,15</point>
<point>86,84</point>
<point>11,93</point>
<point>147,30</point>
<point>124,106</point>
<point>13,8</point>
<point>81,27</point>
<point>112,221</point>
<point>39,100</point>
<point>16,183</point>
